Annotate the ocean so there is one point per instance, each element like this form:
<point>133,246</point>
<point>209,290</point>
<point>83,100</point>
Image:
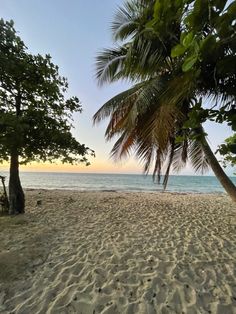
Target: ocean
<point>118,182</point>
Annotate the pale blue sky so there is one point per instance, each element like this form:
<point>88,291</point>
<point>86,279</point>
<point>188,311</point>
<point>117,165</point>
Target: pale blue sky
<point>73,31</point>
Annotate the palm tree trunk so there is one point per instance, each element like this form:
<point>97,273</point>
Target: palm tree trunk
<point>16,194</point>
<point>227,184</point>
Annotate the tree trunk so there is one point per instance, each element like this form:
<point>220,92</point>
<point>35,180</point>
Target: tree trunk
<point>16,194</point>
<point>228,185</point>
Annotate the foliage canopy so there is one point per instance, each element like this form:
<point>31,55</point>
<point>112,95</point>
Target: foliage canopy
<point>178,54</point>
<point>35,116</point>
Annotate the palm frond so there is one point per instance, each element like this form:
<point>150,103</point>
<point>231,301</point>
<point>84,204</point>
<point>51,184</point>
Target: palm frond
<point>121,100</point>
<point>123,145</point>
<point>109,63</point>
<point>145,152</point>
<point>169,162</point>
<point>124,24</point>
<point>129,18</point>
<point>197,157</point>
<point>180,156</point>
<point>144,59</point>
<point>157,167</point>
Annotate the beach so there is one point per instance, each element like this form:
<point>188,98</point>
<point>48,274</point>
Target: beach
<point>119,252</point>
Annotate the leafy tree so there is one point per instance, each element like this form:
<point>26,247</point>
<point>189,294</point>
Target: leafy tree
<point>35,116</point>
<point>228,150</point>
<point>161,116</point>
<point>206,50</point>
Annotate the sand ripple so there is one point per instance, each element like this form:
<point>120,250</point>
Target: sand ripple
<point>119,253</point>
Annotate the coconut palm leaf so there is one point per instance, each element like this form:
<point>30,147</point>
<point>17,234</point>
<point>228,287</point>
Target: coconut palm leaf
<point>170,157</point>
<point>124,24</point>
<point>180,157</point>
<point>129,18</point>
<point>117,102</point>
<point>197,157</point>
<point>109,64</point>
<point>124,145</point>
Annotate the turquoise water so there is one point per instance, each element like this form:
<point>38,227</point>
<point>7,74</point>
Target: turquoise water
<point>118,182</point>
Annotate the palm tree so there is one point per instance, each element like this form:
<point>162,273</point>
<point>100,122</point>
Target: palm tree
<point>150,117</point>
<point>148,123</point>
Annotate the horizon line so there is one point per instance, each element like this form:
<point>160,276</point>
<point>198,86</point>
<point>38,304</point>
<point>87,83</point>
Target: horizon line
<point>113,173</point>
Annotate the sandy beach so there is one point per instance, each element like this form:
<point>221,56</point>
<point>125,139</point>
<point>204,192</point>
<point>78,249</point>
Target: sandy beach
<point>119,252</point>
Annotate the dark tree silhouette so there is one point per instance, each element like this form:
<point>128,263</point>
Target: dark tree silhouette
<point>35,116</point>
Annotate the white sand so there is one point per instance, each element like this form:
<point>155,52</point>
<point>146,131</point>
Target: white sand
<point>107,252</point>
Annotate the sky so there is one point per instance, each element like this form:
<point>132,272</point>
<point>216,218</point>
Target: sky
<point>73,32</point>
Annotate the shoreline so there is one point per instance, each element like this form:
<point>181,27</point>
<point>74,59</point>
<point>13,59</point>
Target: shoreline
<point>114,253</point>
<point>157,192</point>
<point>120,182</point>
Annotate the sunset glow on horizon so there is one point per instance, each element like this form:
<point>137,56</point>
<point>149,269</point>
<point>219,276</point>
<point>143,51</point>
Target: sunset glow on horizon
<point>96,166</point>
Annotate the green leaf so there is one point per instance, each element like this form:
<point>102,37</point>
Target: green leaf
<point>157,9</point>
<point>189,20</point>
<point>187,40</point>
<point>182,36</point>
<point>177,51</point>
<point>189,63</point>
<point>196,46</point>
<point>207,45</point>
<point>232,148</point>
